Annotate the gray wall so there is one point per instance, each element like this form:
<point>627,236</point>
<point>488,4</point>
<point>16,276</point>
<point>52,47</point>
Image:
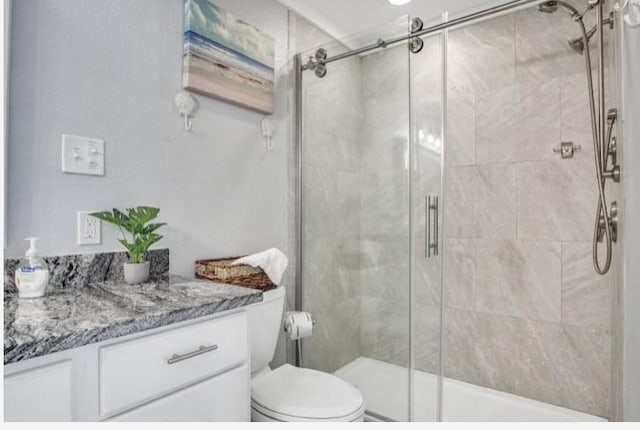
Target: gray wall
<point>631,269</point>
<point>110,70</point>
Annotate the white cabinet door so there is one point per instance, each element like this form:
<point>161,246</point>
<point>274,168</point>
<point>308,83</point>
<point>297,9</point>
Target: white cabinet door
<point>224,398</point>
<point>40,394</point>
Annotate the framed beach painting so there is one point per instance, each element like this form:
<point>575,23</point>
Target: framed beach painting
<point>227,58</point>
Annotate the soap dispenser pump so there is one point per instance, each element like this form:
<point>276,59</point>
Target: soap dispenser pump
<point>32,274</point>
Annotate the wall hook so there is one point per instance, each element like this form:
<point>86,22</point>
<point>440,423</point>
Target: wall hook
<point>267,132</point>
<point>187,105</point>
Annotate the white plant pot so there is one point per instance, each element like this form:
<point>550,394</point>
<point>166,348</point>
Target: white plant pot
<point>136,273</point>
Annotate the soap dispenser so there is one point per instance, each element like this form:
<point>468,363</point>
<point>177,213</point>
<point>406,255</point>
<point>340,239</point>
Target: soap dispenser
<point>32,274</point>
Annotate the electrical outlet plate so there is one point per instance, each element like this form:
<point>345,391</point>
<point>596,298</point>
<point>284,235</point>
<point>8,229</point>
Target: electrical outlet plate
<point>89,229</point>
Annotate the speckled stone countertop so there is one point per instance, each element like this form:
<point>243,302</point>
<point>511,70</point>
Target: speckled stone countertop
<point>70,318</point>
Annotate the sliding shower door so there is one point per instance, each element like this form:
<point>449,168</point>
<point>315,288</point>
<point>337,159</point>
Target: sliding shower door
<point>427,203</point>
<point>357,164</point>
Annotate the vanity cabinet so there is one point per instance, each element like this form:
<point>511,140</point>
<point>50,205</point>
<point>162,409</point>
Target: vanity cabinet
<point>41,394</point>
<point>192,371</point>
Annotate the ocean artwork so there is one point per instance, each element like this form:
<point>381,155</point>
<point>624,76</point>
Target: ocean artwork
<point>227,58</point>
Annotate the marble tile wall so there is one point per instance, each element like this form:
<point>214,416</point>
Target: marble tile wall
<point>332,140</point>
<point>386,249</point>
<point>524,310</point>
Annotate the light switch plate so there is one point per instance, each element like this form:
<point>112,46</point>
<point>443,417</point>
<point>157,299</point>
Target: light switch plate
<point>89,229</point>
<point>82,155</point>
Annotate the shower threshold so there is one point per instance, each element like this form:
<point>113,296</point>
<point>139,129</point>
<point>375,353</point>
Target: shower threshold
<point>385,388</point>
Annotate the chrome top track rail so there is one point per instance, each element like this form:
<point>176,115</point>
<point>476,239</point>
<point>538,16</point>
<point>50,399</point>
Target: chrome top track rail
<point>429,30</point>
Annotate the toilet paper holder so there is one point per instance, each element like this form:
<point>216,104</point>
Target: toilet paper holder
<point>286,327</point>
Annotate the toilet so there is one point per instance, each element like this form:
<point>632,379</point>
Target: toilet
<point>290,393</point>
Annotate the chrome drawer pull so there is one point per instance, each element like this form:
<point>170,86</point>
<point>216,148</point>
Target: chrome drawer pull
<point>175,358</point>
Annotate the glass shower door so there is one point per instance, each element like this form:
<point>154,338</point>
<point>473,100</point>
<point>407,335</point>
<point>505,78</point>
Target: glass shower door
<point>356,160</point>
<point>427,125</point>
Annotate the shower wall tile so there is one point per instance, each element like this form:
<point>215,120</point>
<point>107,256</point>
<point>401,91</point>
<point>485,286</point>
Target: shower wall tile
<point>481,202</point>
<point>576,118</point>
<point>337,193</point>
<point>519,278</point>
<point>481,57</point>
<point>332,136</point>
<point>385,203</point>
<point>496,201</point>
<point>524,310</point>
<point>386,73</point>
<point>542,48</point>
<point>556,200</point>
<point>386,133</point>
<point>565,366</point>
<point>519,123</point>
<point>384,333</point>
<point>460,269</point>
<point>385,267</point>
<point>426,272</point>
<point>460,202</point>
<point>461,128</point>
<point>336,339</point>
<point>333,119</point>
<point>586,296</point>
<point>426,320</point>
<point>332,267</point>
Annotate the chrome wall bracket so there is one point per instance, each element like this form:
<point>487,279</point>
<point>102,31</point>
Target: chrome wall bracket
<point>612,153</point>
<point>317,63</point>
<point>567,149</point>
<point>613,223</point>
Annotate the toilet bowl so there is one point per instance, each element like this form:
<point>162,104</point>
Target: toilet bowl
<point>291,393</point>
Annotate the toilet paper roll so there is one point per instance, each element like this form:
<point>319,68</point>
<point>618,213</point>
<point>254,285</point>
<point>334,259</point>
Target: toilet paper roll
<point>298,325</point>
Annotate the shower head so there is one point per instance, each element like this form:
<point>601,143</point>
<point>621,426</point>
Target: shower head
<point>577,44</point>
<point>548,7</point>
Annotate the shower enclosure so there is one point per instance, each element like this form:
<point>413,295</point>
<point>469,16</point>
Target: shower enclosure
<point>448,174</point>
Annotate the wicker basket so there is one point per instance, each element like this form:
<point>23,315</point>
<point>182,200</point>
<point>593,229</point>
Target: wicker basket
<point>221,270</point>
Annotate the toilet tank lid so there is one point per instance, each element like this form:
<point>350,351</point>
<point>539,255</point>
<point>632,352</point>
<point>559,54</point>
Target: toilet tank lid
<point>305,393</point>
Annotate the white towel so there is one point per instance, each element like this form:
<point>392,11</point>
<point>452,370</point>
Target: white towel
<point>272,261</point>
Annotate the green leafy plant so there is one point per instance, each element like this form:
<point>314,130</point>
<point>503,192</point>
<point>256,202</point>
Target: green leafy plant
<point>136,222</point>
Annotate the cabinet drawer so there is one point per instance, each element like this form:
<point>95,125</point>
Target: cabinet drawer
<point>145,368</point>
<point>223,398</point>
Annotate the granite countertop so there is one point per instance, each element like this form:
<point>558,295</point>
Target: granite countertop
<point>74,317</point>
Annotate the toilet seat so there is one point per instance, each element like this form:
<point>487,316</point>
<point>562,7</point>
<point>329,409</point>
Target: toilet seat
<point>294,394</point>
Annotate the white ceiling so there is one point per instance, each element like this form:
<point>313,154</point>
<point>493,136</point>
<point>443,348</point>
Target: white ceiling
<point>342,18</point>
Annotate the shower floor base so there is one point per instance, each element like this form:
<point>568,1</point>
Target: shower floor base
<point>385,388</point>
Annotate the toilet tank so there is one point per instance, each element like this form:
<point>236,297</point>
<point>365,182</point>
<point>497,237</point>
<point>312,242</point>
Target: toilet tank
<point>265,323</point>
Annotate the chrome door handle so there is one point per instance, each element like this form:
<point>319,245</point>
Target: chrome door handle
<point>176,358</point>
<point>431,246</point>
<point>427,226</point>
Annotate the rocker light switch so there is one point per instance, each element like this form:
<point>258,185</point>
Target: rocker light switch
<point>82,155</point>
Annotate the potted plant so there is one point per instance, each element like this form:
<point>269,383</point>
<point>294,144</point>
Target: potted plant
<point>141,235</point>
